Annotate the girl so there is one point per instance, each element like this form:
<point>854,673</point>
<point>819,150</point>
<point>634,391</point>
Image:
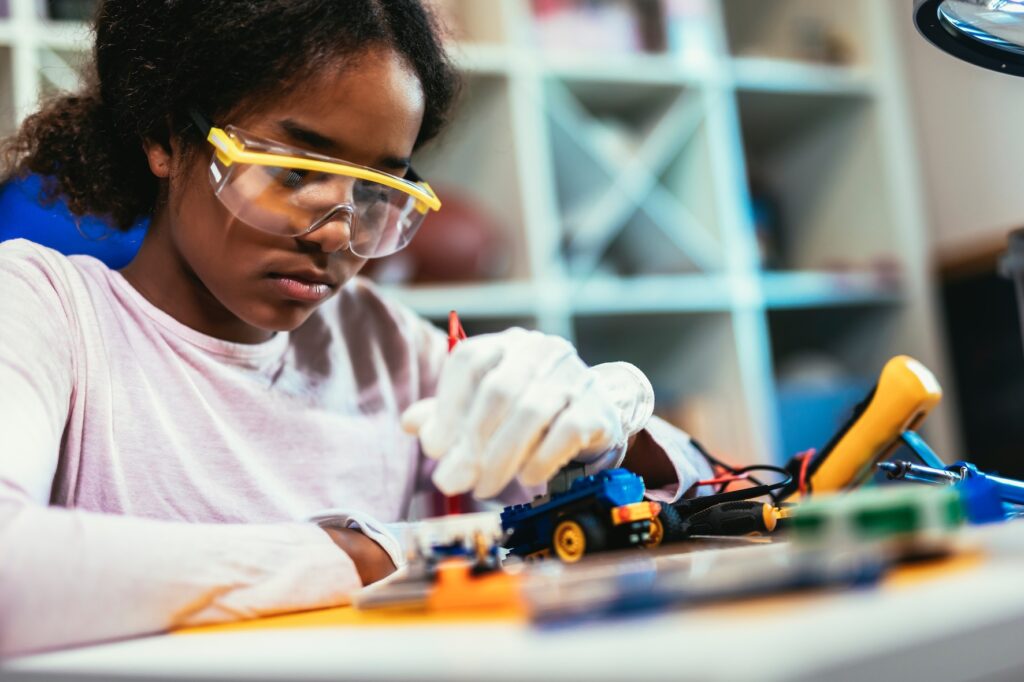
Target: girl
<point>215,431</point>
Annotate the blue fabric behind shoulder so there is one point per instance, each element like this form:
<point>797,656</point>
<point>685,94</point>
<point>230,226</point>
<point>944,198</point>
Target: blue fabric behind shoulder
<point>23,215</point>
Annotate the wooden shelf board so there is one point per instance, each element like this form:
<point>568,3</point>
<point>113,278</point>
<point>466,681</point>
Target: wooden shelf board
<point>810,289</point>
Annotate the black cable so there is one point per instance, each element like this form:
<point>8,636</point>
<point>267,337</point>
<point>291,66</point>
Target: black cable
<point>695,504</point>
<point>759,485</point>
<point>759,488</point>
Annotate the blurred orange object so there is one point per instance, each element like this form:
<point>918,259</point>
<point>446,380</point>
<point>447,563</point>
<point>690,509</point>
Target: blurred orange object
<point>459,588</point>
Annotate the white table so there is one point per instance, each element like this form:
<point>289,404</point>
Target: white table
<point>965,624</point>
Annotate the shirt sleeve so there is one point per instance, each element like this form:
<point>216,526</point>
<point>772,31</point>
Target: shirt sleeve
<point>690,465</point>
<point>70,576</point>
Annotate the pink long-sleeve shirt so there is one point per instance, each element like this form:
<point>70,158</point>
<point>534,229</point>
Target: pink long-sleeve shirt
<point>152,476</point>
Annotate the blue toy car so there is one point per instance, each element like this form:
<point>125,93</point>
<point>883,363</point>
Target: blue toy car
<point>602,511</point>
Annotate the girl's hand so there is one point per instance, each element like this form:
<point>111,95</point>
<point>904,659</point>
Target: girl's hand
<point>522,403</point>
<point>371,561</point>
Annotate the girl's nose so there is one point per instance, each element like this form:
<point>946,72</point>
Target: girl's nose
<point>333,231</point>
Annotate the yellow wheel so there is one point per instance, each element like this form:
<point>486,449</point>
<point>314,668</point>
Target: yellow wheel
<point>570,542</point>
<point>657,533</point>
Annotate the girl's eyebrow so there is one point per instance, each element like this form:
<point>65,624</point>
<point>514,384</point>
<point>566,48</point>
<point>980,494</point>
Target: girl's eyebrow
<point>322,143</point>
<point>299,132</point>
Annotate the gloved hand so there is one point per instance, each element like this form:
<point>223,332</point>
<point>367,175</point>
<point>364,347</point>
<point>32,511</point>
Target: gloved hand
<point>522,403</point>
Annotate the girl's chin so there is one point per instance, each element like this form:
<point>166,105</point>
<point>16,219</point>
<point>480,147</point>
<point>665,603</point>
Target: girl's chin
<point>282,318</point>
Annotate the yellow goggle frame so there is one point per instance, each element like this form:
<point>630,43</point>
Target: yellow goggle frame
<point>229,151</point>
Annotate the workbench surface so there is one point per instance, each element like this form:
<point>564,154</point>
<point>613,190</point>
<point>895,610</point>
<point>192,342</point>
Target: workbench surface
<point>961,618</point>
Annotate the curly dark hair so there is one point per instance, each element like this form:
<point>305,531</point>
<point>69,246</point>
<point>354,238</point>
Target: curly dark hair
<point>155,60</point>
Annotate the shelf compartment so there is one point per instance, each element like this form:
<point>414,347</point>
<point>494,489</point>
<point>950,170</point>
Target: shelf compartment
<point>632,158</point>
<point>8,115</point>
<point>484,59</point>
<point>805,30</point>
<point>826,361</point>
<point>650,242</point>
<point>67,36</point>
<point>478,167</point>
<point>472,21</point>
<point>692,364</point>
<point>71,11</point>
<point>861,338</point>
<point>61,70</point>
<point>818,181</point>
<point>610,26</point>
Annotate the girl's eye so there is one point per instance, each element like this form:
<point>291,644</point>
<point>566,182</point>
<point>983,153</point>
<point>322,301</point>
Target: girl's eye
<point>293,178</point>
<point>369,193</point>
<point>289,178</point>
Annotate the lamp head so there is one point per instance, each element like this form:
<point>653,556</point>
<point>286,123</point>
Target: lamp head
<point>986,33</point>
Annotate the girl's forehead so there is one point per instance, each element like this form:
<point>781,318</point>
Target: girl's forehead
<point>363,110</point>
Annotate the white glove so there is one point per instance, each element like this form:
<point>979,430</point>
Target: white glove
<point>522,403</point>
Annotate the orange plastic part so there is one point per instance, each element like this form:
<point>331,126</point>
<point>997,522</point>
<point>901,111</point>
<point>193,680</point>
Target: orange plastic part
<point>458,589</point>
<point>638,511</point>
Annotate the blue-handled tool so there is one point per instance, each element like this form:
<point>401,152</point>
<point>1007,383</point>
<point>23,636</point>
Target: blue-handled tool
<point>1008,489</point>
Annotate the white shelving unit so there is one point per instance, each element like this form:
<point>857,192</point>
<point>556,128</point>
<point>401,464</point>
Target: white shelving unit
<point>625,183</point>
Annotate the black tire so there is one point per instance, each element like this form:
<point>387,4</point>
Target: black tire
<point>597,533</point>
<point>576,536</point>
<point>673,525</point>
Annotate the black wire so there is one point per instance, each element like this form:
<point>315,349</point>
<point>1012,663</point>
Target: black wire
<point>695,504</point>
<point>760,488</point>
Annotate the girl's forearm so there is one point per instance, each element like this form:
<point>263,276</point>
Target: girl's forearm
<point>667,459</point>
<point>371,561</point>
<point>647,458</point>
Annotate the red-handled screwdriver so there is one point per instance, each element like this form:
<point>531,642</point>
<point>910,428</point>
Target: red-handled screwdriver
<point>453,503</point>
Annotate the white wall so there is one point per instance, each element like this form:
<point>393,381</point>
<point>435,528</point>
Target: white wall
<point>970,124</point>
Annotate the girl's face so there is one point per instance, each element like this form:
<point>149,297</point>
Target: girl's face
<point>367,112</point>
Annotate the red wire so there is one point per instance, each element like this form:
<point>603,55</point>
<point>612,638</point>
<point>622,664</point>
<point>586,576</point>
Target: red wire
<point>728,478</point>
<point>453,504</point>
<point>806,455</point>
<point>455,331</point>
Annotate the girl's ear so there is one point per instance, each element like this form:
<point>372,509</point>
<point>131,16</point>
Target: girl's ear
<point>159,158</point>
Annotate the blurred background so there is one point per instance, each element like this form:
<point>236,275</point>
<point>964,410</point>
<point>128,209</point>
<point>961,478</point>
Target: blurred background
<point>757,202</point>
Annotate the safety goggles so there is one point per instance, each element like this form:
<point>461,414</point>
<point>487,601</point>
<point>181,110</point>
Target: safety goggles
<point>289,191</point>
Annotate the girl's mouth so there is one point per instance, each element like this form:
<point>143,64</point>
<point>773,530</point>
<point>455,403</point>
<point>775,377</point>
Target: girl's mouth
<point>300,289</point>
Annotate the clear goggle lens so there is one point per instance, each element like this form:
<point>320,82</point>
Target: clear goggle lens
<point>295,201</point>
